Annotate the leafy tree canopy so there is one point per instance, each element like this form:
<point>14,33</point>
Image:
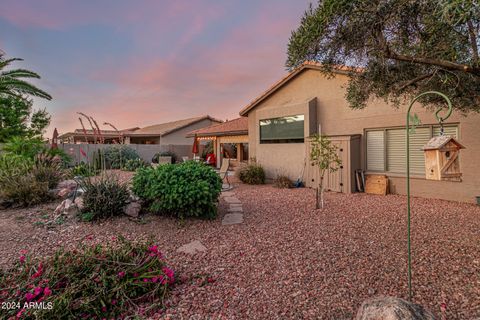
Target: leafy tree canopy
<point>404,47</point>
<point>17,119</point>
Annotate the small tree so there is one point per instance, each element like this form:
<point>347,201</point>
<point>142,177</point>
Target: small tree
<point>323,154</point>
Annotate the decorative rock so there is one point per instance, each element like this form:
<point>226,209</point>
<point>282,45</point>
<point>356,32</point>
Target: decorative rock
<point>227,194</point>
<point>64,192</point>
<point>390,308</point>
<point>72,210</point>
<point>67,184</point>
<point>133,198</point>
<point>133,209</point>
<point>192,247</point>
<point>231,200</point>
<point>232,218</point>
<point>68,203</point>
<point>79,203</point>
<point>235,209</point>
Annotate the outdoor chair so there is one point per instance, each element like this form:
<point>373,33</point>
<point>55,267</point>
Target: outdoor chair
<point>224,172</point>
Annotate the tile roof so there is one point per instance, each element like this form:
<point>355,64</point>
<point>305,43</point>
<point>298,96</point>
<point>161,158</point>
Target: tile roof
<point>277,85</point>
<point>237,126</point>
<point>79,132</point>
<point>168,127</point>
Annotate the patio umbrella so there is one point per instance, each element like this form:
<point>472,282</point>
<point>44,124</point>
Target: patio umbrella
<point>195,145</point>
<point>54,139</point>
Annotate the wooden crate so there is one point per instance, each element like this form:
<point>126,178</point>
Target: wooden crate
<point>376,184</point>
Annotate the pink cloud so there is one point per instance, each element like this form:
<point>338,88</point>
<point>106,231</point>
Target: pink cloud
<point>192,78</point>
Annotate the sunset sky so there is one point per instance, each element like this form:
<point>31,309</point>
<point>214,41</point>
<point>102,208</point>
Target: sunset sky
<point>136,63</point>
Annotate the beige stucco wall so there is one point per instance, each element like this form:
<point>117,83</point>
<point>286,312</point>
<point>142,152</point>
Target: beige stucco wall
<point>178,137</point>
<point>336,118</point>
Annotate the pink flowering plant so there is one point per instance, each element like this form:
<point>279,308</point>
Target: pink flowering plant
<point>98,282</point>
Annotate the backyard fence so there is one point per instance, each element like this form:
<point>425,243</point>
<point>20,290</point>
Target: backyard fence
<point>145,151</point>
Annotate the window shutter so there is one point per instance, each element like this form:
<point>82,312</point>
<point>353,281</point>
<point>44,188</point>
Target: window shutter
<point>417,158</point>
<point>396,150</point>
<point>448,131</point>
<point>375,151</point>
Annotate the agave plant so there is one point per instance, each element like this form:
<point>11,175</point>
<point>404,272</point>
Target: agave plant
<point>12,81</point>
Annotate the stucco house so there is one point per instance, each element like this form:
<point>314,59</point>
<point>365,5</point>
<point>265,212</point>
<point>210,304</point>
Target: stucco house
<point>169,133</point>
<point>229,139</point>
<point>306,102</point>
<point>88,136</point>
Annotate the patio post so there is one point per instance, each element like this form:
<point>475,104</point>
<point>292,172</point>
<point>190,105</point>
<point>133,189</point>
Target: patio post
<point>440,121</point>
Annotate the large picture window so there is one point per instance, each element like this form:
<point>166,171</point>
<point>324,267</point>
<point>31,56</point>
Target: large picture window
<point>288,129</point>
<point>386,148</point>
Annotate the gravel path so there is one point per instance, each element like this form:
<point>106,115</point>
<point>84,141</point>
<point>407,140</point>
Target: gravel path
<point>288,260</point>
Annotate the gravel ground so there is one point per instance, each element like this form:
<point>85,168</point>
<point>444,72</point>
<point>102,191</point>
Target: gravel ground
<point>289,260</point>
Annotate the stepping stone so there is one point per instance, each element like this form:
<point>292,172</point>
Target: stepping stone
<point>192,247</point>
<point>235,209</point>
<point>232,218</point>
<point>228,194</point>
<point>235,205</point>
<point>231,200</point>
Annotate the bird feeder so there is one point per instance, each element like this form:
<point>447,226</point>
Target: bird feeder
<point>441,158</point>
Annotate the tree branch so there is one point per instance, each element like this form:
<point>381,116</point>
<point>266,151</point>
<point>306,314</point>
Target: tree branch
<point>473,41</point>
<point>415,80</point>
<point>434,62</point>
<point>449,65</point>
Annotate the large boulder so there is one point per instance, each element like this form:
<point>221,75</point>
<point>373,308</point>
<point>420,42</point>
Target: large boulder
<point>67,184</point>
<point>133,209</point>
<point>390,308</point>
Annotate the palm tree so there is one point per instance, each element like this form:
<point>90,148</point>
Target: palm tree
<point>12,84</point>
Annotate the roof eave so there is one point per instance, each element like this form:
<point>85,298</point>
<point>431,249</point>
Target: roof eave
<point>244,112</point>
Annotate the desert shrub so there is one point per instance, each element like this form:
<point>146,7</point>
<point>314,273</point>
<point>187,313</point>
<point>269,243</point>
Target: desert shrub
<point>134,164</point>
<point>24,182</point>
<point>84,170</point>
<point>170,154</point>
<point>282,181</point>
<point>48,169</point>
<point>189,189</point>
<point>93,282</point>
<point>251,174</point>
<point>66,158</point>
<point>117,155</point>
<point>104,196</point>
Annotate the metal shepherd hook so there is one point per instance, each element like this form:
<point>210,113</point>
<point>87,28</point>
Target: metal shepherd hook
<point>440,121</point>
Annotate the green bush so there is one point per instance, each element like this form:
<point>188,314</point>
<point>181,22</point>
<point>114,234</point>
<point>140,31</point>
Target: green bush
<point>24,182</point>
<point>251,174</point>
<point>84,170</point>
<point>134,164</point>
<point>93,282</point>
<point>117,155</point>
<point>104,196</point>
<point>189,189</point>
<point>282,181</point>
<point>171,154</point>
<point>24,147</point>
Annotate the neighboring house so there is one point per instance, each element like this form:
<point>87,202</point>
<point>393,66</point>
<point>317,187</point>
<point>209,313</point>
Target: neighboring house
<point>169,133</point>
<point>306,102</point>
<point>88,136</point>
<point>230,139</point>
